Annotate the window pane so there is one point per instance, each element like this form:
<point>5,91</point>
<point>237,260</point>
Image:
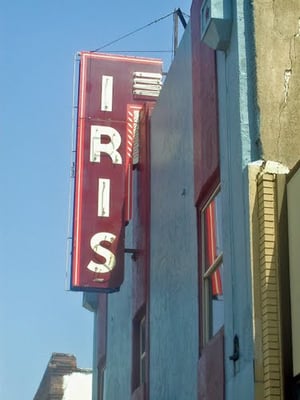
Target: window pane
<point>142,351</point>
<point>212,267</point>
<point>143,370</point>
<point>143,336</point>
<point>212,231</point>
<point>217,299</point>
<point>218,224</point>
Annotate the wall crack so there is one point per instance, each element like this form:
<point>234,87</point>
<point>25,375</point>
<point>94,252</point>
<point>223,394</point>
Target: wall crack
<point>287,77</point>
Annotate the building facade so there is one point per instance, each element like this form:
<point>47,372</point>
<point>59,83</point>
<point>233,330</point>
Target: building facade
<point>63,380</point>
<point>207,309</point>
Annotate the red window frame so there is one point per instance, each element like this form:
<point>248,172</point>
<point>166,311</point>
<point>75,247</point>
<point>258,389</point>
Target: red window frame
<point>211,304</point>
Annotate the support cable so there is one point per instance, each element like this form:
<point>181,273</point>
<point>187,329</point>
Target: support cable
<point>179,13</point>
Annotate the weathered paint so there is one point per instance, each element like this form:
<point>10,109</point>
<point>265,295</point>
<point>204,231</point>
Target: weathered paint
<point>251,128</point>
<point>100,340</point>
<point>238,146</point>
<point>205,112</point>
<point>237,135</point>
<point>277,47</point>
<point>211,369</point>
<point>173,247</point>
<point>207,179</point>
<point>141,242</point>
<point>117,383</point>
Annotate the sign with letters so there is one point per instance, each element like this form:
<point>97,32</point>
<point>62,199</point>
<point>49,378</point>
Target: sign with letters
<point>107,100</point>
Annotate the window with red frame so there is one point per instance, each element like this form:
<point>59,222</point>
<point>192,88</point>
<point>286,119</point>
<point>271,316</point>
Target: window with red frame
<point>211,267</point>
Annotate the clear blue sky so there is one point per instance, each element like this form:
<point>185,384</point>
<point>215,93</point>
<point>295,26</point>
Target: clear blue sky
<point>38,40</point>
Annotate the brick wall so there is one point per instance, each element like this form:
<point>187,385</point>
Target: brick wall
<point>269,287</point>
<point>51,386</point>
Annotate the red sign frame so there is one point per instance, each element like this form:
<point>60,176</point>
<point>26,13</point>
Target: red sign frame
<point>102,201</point>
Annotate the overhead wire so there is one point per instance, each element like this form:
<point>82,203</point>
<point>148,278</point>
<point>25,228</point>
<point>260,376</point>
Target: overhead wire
<point>186,15</point>
<point>135,31</point>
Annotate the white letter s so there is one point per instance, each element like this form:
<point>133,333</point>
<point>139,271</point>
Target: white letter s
<point>110,259</point>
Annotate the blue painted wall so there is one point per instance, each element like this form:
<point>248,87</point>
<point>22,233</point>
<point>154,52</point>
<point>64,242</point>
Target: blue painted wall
<point>238,132</point>
<point>119,336</point>
<point>173,273</point>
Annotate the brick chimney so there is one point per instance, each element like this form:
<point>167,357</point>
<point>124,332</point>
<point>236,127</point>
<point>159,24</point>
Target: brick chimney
<point>51,386</point>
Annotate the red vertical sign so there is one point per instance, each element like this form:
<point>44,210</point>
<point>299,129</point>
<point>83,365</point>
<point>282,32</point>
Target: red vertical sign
<point>103,166</point>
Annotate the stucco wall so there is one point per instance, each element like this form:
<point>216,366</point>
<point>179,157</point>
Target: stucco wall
<point>238,146</point>
<point>117,379</point>
<point>173,274</point>
<point>205,113</point>
<point>277,45</point>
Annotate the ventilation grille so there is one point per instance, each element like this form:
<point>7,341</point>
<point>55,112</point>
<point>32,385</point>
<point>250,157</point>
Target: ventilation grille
<point>146,84</point>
